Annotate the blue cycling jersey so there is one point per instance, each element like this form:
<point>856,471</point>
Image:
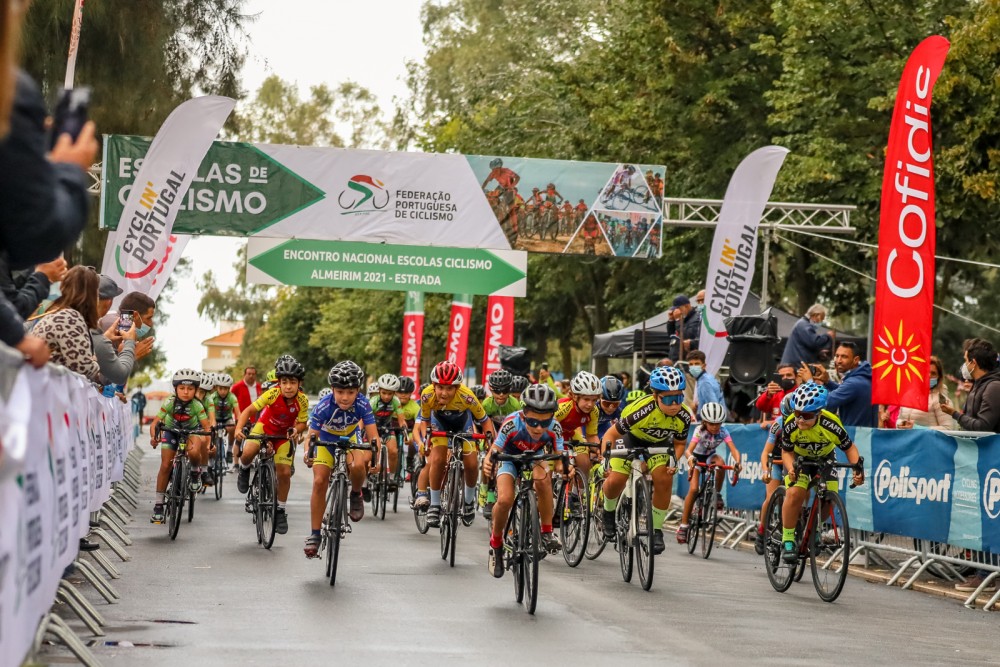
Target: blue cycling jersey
<point>513,436</point>
<point>332,422</point>
<point>604,420</point>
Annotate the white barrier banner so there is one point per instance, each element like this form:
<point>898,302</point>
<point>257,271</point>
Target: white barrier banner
<point>10,499</point>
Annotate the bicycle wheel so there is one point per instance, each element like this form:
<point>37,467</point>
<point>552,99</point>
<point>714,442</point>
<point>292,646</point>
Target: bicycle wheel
<point>575,526</point>
<point>335,519</point>
<point>711,517</point>
<point>191,496</point>
<point>595,539</point>
<point>383,483</point>
<point>325,529</point>
<point>220,469</point>
<point>695,520</point>
<point>253,499</point>
<point>455,484</point>
<point>626,553</point>
<point>778,573</point>
<point>267,504</point>
<point>531,550</point>
<point>511,548</point>
<point>830,549</point>
<point>644,533</point>
<point>419,516</point>
<point>175,500</point>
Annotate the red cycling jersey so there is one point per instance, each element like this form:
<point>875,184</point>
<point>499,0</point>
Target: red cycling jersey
<point>503,176</point>
<point>277,415</point>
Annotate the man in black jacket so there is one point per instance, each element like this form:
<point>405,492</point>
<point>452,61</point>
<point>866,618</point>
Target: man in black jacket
<point>685,323</point>
<point>25,290</point>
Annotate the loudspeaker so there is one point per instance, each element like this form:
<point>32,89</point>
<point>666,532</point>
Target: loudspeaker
<point>751,346</point>
<point>515,359</point>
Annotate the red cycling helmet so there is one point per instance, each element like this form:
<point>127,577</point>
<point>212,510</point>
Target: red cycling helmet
<point>446,373</point>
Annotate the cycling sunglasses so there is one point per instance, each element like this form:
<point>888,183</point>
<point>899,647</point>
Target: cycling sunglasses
<point>671,400</point>
<point>610,404</point>
<point>538,423</point>
<point>805,416</point>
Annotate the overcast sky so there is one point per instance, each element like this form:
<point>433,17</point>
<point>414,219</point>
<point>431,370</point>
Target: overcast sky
<point>308,42</point>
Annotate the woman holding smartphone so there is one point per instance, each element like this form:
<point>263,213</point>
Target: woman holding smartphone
<point>933,417</point>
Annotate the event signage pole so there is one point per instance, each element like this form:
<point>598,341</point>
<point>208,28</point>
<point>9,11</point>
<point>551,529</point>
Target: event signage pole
<point>904,293</point>
<point>734,248</point>
<point>499,331</point>
<point>458,329</point>
<point>413,336</point>
<point>74,44</point>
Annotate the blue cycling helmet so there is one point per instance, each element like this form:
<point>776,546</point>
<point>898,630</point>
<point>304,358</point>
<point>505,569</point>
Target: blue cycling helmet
<point>667,378</point>
<point>810,397</point>
<point>612,388</point>
<point>788,404</point>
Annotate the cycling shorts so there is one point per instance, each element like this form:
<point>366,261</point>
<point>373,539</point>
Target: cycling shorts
<point>324,456</point>
<point>468,447</point>
<point>282,451</point>
<point>169,441</point>
<point>508,468</point>
<point>652,463</point>
<point>581,448</point>
<point>804,479</point>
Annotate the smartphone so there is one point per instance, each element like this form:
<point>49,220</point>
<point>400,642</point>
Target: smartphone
<point>942,399</point>
<point>545,366</point>
<point>71,114</point>
<point>776,378</point>
<point>125,320</point>
<point>816,369</point>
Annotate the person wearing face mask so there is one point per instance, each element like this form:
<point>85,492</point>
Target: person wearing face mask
<point>805,343</point>
<point>982,407</point>
<point>116,350</point>
<point>769,401</point>
<point>707,389</point>
<point>934,416</point>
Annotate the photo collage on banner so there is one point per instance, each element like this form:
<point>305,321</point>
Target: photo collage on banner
<point>583,208</point>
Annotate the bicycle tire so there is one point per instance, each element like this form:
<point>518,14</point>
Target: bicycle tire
<point>778,573</point>
<point>336,521</point>
<point>325,546</point>
<point>220,469</point>
<point>511,551</point>
<point>596,540</point>
<point>837,566</point>
<point>711,517</point>
<point>626,554</point>
<point>191,497</point>
<point>531,540</point>
<point>254,498</point>
<point>383,482</point>
<point>455,502</point>
<point>574,531</point>
<point>644,533</point>
<point>800,529</point>
<point>175,500</point>
<point>694,521</point>
<point>267,505</point>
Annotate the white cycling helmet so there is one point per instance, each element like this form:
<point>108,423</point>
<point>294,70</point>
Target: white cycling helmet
<point>585,384</point>
<point>187,376</point>
<point>207,381</point>
<point>324,392</point>
<point>223,380</point>
<point>373,388</point>
<point>389,382</point>
<point>713,413</point>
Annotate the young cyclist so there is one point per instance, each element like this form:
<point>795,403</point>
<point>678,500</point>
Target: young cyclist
<point>634,395</point>
<point>702,449</point>
<point>657,420</point>
<point>222,408</point>
<point>206,383</point>
<point>518,384</point>
<point>531,429</point>
<point>498,406</point>
<point>770,464</point>
<point>282,411</point>
<point>578,417</point>
<point>388,413</point>
<point>180,411</point>
<point>612,393</point>
<point>410,409</point>
<point>448,405</point>
<point>339,415</point>
<point>810,436</point>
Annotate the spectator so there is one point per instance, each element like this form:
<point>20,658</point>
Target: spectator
<point>144,309</point>
<point>934,416</point>
<point>707,388</point>
<point>699,301</point>
<point>685,323</point>
<point>66,326</point>
<point>769,402</point>
<point>248,389</point>
<point>27,290</point>
<point>117,351</point>
<point>626,379</point>
<point>139,401</point>
<point>852,398</point>
<point>544,377</point>
<point>805,344</point>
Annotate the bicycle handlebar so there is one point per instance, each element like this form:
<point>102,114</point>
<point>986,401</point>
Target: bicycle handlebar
<point>463,435</point>
<point>527,457</point>
<point>263,437</point>
<point>699,464</point>
<point>858,467</point>
<point>626,452</point>
<point>180,431</point>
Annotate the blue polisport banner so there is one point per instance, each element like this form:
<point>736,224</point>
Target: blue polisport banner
<point>911,484</point>
<point>989,492</point>
<point>749,493</point>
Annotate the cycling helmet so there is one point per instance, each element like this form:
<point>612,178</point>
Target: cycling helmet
<point>585,384</point>
<point>389,382</point>
<point>324,392</point>
<point>496,163</point>
<point>518,384</point>
<point>788,404</point>
<point>550,186</point>
<point>207,381</point>
<point>284,357</point>
<point>540,398</point>
<point>288,367</point>
<point>667,378</point>
<point>424,386</point>
<point>271,376</point>
<point>187,376</point>
<point>480,391</point>
<point>630,169</point>
<point>446,373</point>
<point>500,381</point>
<point>712,413</point>
<point>635,395</point>
<point>345,375</point>
<point>223,380</point>
<point>373,388</point>
<point>810,397</point>
<point>406,384</point>
<point>612,388</point>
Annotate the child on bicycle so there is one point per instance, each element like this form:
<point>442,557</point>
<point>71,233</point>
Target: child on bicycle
<point>181,411</point>
<point>222,407</point>
<point>388,413</point>
<point>498,406</point>
<point>410,410</point>
<point>578,417</point>
<point>770,465</point>
<point>530,430</point>
<point>706,440</point>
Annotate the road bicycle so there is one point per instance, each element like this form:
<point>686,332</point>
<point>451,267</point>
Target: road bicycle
<point>453,491</point>
<point>262,497</point>
<point>218,468</point>
<point>335,521</point>
<point>620,198</point>
<point>419,513</point>
<point>822,534</point>
<point>179,484</point>
<point>572,511</point>
<point>522,543</point>
<point>705,512</point>
<point>382,481</point>
<point>634,516</point>
<point>595,534</point>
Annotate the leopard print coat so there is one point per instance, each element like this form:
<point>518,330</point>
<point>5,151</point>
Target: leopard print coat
<point>69,340</point>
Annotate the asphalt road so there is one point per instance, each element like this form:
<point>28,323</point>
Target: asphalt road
<point>214,597</point>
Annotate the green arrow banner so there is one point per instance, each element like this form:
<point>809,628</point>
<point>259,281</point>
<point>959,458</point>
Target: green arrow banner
<point>239,190</point>
<point>386,267</point>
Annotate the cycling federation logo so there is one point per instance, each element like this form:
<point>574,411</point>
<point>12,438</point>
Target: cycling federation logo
<point>991,493</point>
<point>905,487</point>
<point>900,356</point>
<point>364,194</point>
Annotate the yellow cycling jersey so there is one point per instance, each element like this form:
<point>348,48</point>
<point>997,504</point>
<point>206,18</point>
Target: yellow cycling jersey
<point>463,401</point>
<point>818,441</point>
<point>645,421</point>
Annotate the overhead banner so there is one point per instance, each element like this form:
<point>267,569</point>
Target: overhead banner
<point>386,267</point>
<point>141,246</point>
<point>904,292</point>
<point>457,344</point>
<point>413,335</point>
<point>499,331</point>
<point>734,248</point>
<point>425,199</point>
